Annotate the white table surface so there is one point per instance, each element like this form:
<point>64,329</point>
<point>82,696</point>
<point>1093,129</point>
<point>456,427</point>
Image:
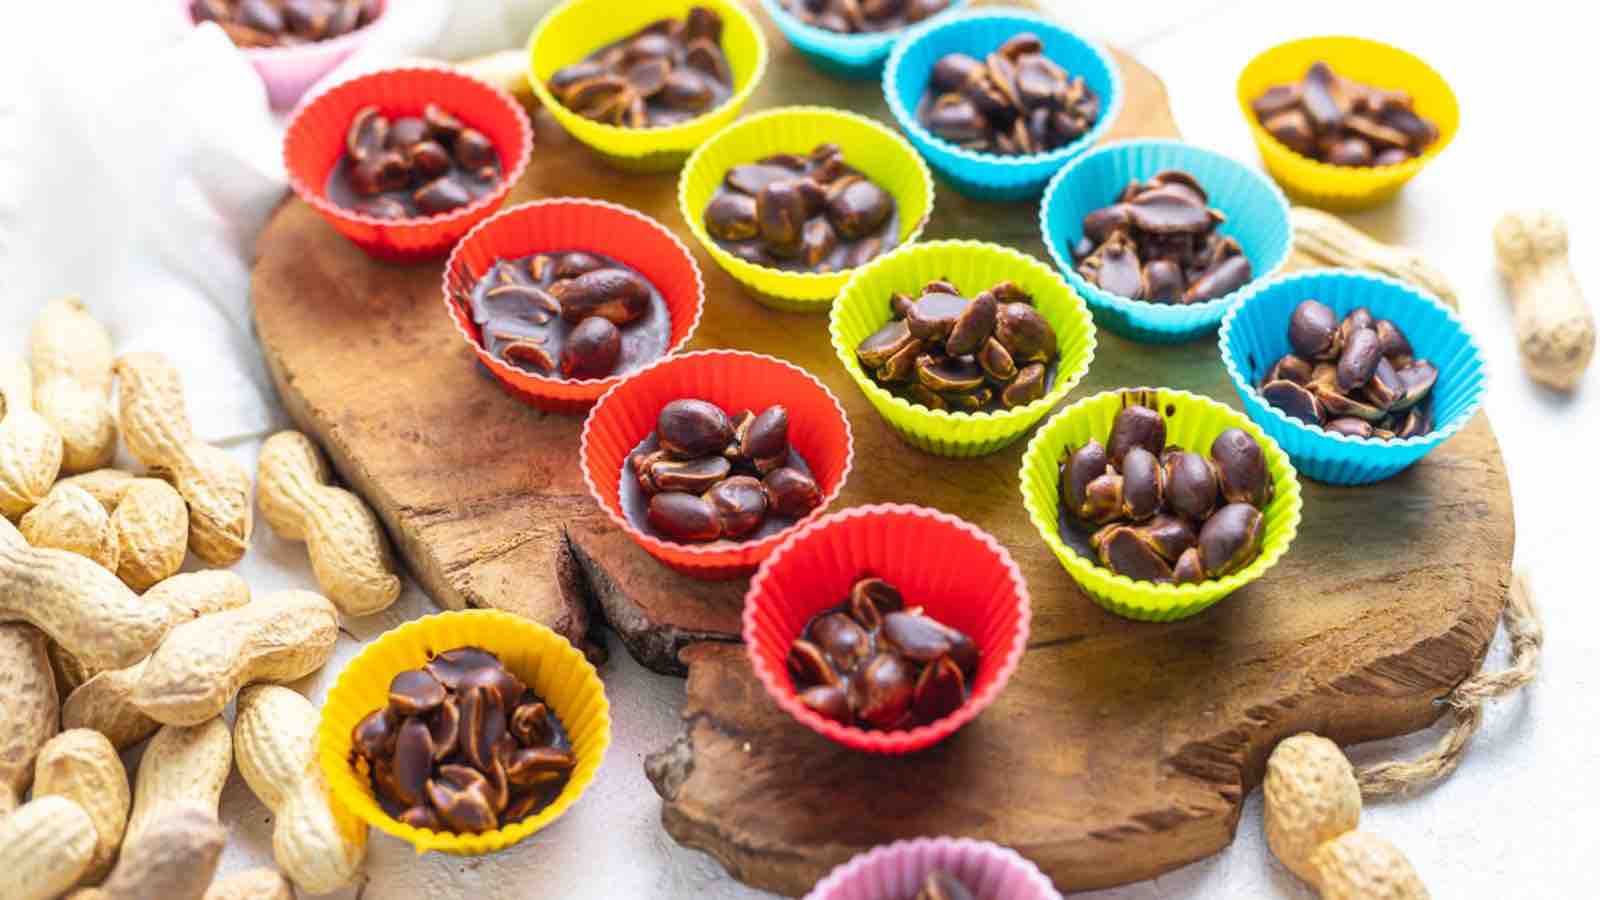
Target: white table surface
<point>1515,821</point>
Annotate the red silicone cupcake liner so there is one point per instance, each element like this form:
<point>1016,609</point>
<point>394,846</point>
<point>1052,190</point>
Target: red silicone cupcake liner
<point>733,380</point>
<point>898,870</point>
<point>288,72</point>
<point>569,223</point>
<point>315,141</point>
<point>956,571</point>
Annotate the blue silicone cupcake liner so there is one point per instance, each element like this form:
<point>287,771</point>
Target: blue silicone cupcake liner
<point>1258,218</point>
<point>986,176</point>
<point>1255,334</point>
<point>858,56</point>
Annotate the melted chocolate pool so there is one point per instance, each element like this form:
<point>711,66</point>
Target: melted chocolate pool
<point>636,503</point>
<point>511,318</point>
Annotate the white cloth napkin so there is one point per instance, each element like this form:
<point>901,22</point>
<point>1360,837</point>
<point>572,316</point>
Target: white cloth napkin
<point>140,162</point>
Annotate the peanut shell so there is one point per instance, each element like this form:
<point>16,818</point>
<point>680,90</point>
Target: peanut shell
<point>182,768</point>
<point>199,668</point>
<point>29,714</point>
<point>1311,797</point>
<point>45,847</point>
<point>1358,865</point>
<point>71,354</point>
<point>77,603</point>
<point>350,555</point>
<point>155,425</point>
<point>174,859</point>
<point>105,485</point>
<point>82,766</point>
<point>70,519</point>
<point>152,526</point>
<point>30,449</point>
<point>103,702</point>
<point>316,842</point>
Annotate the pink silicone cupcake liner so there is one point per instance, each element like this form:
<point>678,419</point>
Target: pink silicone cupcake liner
<point>288,72</point>
<point>733,380</point>
<point>564,224</point>
<point>315,141</point>
<point>961,575</point>
<point>895,872</point>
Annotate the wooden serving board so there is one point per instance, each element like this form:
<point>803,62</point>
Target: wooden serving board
<point>1119,750</point>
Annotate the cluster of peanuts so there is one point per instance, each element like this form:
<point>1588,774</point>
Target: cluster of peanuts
<point>105,643</point>
<point>1312,814</point>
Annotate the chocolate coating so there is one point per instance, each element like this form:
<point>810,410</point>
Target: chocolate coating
<point>252,24</point>
<point>864,18</point>
<point>523,321</point>
<point>667,73</point>
<point>811,213</point>
<point>405,168</point>
<point>1343,122</point>
<point>1158,241</point>
<point>783,491</point>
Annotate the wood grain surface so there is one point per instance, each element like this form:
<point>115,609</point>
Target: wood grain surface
<point>1119,750</point>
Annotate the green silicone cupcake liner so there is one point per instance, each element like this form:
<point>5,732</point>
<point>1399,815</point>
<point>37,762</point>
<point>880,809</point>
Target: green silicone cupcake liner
<point>1193,422</point>
<point>880,154</point>
<point>579,27</point>
<point>863,308</point>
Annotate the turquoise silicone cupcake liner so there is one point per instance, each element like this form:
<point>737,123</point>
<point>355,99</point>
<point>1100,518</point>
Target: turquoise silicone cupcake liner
<point>986,176</point>
<point>1255,334</point>
<point>1193,422</point>
<point>1258,218</point>
<point>856,56</point>
<point>971,266</point>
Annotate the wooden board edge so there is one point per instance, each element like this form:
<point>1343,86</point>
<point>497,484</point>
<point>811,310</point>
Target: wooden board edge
<point>1401,692</point>
<point>575,623</point>
<point>1224,768</point>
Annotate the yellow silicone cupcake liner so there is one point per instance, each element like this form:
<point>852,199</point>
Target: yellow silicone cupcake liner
<point>972,267</point>
<point>545,661</point>
<point>1193,422</point>
<point>579,27</point>
<point>1306,180</point>
<point>880,154</point>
